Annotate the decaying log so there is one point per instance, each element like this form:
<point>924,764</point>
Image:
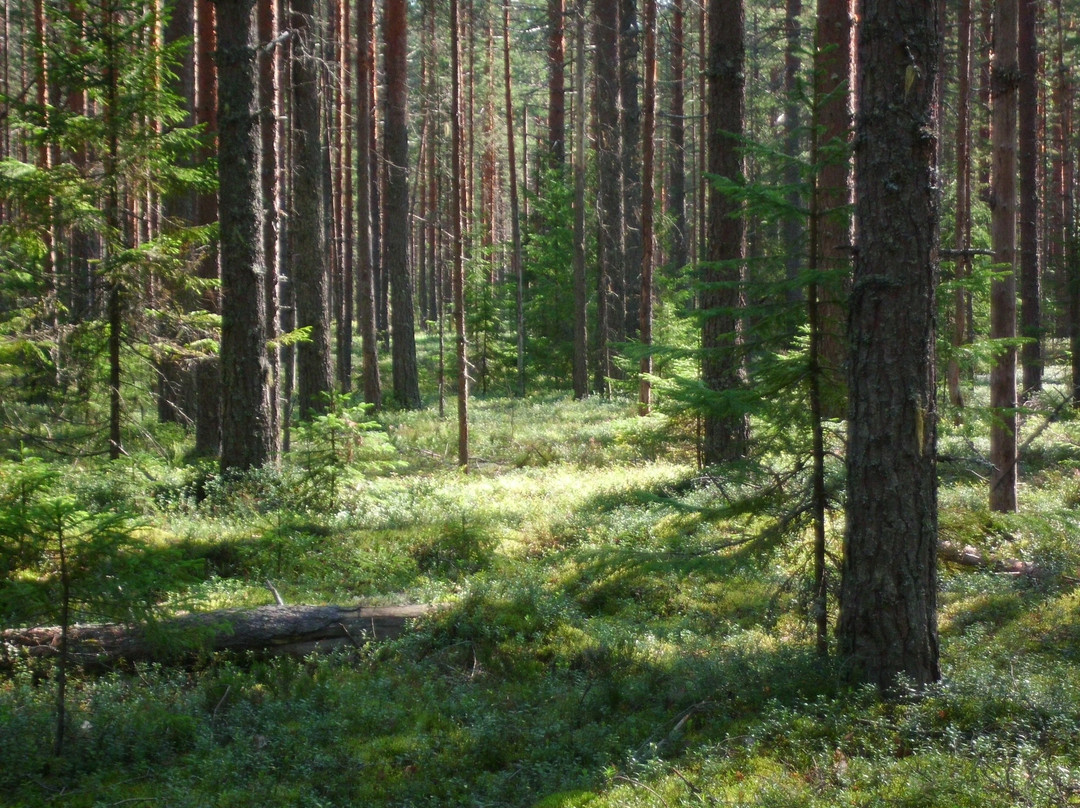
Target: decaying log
<point>969,556</point>
<point>268,629</point>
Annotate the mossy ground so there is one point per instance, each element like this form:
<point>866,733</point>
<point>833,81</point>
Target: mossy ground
<point>607,640</point>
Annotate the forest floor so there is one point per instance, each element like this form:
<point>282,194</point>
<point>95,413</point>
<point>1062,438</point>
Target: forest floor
<point>618,629</point>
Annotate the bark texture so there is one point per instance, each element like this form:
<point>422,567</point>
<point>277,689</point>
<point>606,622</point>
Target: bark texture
<point>310,272</point>
<point>396,209</point>
<point>726,429</point>
<point>1004,80</point>
<point>888,609</point>
<point>1030,273</point>
<point>678,255</point>
<point>365,269</point>
<point>247,435</point>
<point>832,126</point>
<point>630,153</point>
<point>609,312</point>
<point>581,341</point>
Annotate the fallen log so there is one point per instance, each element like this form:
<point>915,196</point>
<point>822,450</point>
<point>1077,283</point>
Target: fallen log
<point>968,556</point>
<point>277,629</point>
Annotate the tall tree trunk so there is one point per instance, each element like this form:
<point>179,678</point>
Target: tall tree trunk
<point>515,220</point>
<point>678,251</point>
<point>268,18</point>
<point>365,276</point>
<point>396,207</point>
<point>791,228</point>
<point>179,207</point>
<point>726,428</point>
<point>247,437</point>
<point>456,184</point>
<point>888,610</point>
<point>117,242</point>
<point>832,108</point>
<point>627,285</point>
<point>287,309</point>
<point>581,340</point>
<point>648,151</point>
<point>310,272</point>
<point>962,231</point>
<point>347,227</point>
<point>556,9</point>
<point>606,99</point>
<point>1005,76</point>
<point>207,375</point>
<point>1030,270</point>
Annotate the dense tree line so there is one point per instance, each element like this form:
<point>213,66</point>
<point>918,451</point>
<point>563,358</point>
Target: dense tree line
<point>201,204</point>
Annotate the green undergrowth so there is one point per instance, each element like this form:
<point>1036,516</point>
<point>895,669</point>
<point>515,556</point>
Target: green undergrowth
<point>612,632</point>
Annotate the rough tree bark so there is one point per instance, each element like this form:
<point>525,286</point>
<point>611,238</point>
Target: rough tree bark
<point>792,226</point>
<point>247,436</point>
<point>516,268</point>
<point>648,150</point>
<point>268,21</point>
<point>556,84</point>
<point>606,99</point>
<point>628,290</point>
<point>456,185</point>
<point>309,270</point>
<point>962,231</point>
<point>832,111</point>
<point>365,271</point>
<point>396,208</point>
<point>726,430</point>
<point>207,374</point>
<point>581,341</point>
<point>888,609</point>
<point>1004,80</point>
<point>1029,207</point>
<point>678,255</point>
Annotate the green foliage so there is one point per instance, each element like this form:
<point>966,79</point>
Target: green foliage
<point>63,557</point>
<point>65,238</point>
<point>548,257</point>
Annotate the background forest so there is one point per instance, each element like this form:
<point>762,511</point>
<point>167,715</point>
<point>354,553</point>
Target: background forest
<point>704,530</point>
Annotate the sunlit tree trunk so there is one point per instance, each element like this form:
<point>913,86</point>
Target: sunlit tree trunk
<point>581,341</point>
<point>791,228</point>
<point>267,22</point>
<point>648,151</point>
<point>606,99</point>
<point>345,186</point>
<point>1005,76</point>
<point>626,286</point>
<point>365,276</point>
<point>308,250</point>
<point>207,376</point>
<point>396,207</point>
<point>962,230</point>
<point>247,436</point>
<point>556,10</point>
<point>888,611</point>
<point>456,186</point>
<point>515,220</point>
<point>1029,207</point>
<point>179,208</point>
